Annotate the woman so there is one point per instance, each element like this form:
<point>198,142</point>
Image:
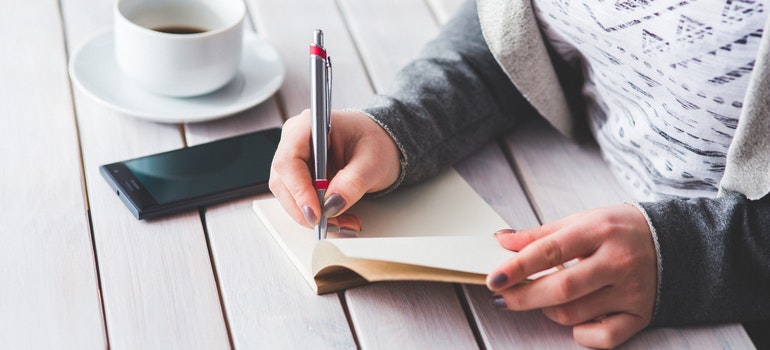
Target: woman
<point>677,96</point>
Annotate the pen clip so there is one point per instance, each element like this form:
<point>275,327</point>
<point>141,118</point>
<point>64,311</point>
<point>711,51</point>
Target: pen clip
<point>328,94</point>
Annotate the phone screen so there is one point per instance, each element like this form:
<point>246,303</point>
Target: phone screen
<point>195,176</point>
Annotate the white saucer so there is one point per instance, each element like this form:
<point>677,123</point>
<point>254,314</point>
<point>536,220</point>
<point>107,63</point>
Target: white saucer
<point>94,70</point>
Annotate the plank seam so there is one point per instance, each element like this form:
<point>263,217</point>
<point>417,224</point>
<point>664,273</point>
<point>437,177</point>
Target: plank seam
<point>83,183</point>
<point>469,316</point>
<point>215,273</point>
<point>520,178</point>
<point>344,304</point>
<point>356,46</point>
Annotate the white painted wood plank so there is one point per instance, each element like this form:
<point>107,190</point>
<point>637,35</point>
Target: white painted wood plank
<point>444,9</point>
<point>562,176</point>
<point>289,25</point>
<point>157,282</point>
<point>268,303</point>
<point>409,316</point>
<point>158,285</point>
<point>49,295</point>
<point>490,174</point>
<point>503,329</point>
<point>389,34</point>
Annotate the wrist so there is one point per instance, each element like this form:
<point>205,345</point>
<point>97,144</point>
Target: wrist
<point>658,259</point>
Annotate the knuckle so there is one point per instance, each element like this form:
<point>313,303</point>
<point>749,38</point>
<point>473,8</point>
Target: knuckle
<point>603,228</point>
<point>516,301</point>
<point>305,113</point>
<point>566,289</point>
<point>354,180</point>
<point>539,231</point>
<point>633,288</point>
<point>291,122</point>
<point>297,192</point>
<point>552,252</point>
<point>606,338</point>
<point>562,316</point>
<point>626,263</point>
<point>274,185</point>
<point>279,164</point>
<point>518,270</point>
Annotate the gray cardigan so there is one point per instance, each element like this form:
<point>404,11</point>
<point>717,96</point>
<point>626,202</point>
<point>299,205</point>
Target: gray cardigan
<point>489,69</point>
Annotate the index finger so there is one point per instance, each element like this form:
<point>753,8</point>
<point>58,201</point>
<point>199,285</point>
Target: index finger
<point>551,249</point>
<point>290,178</point>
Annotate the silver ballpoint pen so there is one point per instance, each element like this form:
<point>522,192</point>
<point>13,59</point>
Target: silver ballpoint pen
<point>320,108</point>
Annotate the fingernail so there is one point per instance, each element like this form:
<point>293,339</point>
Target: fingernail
<point>333,227</point>
<point>499,302</point>
<point>498,281</point>
<point>505,231</point>
<point>309,215</point>
<point>333,205</point>
<point>348,232</point>
<point>345,232</point>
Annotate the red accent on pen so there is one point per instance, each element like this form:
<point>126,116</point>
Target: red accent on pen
<point>321,184</point>
<point>317,51</point>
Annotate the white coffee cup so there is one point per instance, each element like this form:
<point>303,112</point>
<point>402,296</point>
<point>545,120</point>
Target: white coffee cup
<point>173,64</point>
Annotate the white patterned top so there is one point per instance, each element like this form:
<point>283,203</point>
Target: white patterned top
<point>665,81</point>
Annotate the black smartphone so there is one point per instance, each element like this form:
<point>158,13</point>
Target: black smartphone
<point>193,177</point>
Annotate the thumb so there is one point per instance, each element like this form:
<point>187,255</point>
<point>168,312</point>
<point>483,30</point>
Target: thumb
<point>347,186</point>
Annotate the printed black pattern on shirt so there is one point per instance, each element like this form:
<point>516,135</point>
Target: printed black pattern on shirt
<point>665,82</point>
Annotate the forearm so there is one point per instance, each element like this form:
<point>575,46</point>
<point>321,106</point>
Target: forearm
<point>715,259</point>
<point>448,102</point>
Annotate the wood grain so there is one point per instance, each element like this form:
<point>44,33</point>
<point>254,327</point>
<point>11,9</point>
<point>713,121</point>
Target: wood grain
<point>562,176</point>
<point>158,286</point>
<point>388,34</point>
<point>443,10</point>
<point>409,316</point>
<point>289,26</point>
<point>49,296</point>
<point>503,329</point>
<point>80,272</point>
<point>267,303</point>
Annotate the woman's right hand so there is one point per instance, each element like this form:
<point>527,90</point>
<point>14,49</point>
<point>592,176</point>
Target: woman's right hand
<point>363,158</point>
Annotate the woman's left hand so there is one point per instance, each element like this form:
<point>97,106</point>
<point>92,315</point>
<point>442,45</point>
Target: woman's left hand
<point>608,296</point>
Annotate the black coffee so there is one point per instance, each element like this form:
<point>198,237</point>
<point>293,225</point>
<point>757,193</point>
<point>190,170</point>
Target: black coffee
<point>179,30</point>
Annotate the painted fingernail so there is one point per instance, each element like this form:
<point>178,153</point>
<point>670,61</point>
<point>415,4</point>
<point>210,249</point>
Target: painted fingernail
<point>333,205</point>
<point>309,215</point>
<point>498,281</point>
<point>499,302</point>
<point>505,231</point>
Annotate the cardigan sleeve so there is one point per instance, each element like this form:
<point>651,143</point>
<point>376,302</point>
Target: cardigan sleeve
<point>451,100</point>
<point>715,259</point>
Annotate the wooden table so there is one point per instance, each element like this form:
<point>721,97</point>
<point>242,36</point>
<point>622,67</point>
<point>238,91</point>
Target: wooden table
<point>78,271</point>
